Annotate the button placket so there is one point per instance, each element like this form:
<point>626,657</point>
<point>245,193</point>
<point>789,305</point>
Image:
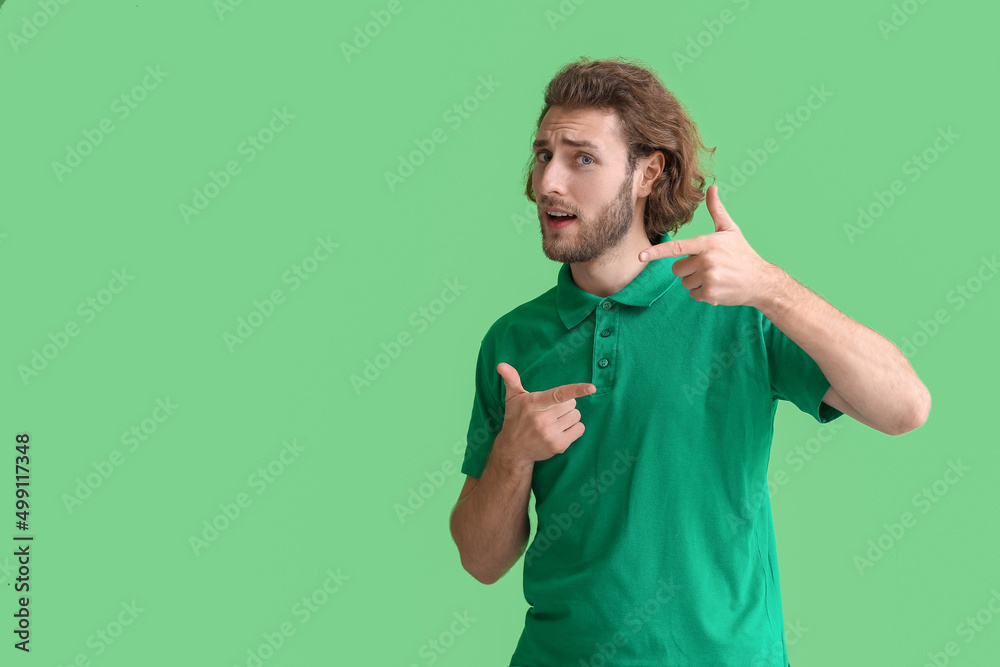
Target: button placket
<point>605,344</point>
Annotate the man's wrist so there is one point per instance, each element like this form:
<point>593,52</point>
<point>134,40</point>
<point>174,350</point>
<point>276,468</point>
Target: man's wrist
<point>507,459</point>
<point>774,292</point>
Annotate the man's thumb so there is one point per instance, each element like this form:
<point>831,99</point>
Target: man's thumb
<point>718,212</point>
<point>511,379</point>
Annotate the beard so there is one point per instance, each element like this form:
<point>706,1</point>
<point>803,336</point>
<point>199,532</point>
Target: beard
<point>592,238</point>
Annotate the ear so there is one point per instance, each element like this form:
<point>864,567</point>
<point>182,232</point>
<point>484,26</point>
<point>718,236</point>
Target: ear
<point>649,169</point>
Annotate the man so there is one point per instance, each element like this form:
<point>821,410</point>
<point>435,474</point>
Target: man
<point>636,398</point>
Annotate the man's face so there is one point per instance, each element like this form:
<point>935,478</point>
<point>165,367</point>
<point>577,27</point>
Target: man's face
<point>592,181</point>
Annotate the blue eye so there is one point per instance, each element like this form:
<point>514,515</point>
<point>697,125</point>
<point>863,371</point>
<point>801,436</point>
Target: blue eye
<point>586,157</point>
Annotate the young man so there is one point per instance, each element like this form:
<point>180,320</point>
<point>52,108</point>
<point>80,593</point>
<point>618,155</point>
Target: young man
<point>636,398</point>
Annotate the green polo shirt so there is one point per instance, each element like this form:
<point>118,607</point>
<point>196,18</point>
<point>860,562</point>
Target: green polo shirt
<point>654,541</point>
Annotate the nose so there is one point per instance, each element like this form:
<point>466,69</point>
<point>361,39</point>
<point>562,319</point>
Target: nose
<point>552,181</point>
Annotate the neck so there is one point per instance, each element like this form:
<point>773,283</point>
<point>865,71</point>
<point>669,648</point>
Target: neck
<point>607,274</point>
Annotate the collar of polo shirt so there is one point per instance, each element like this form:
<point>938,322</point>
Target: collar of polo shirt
<point>575,304</point>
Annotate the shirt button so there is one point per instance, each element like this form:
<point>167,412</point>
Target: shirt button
<point>606,333</point>
<point>608,304</point>
<point>602,363</point>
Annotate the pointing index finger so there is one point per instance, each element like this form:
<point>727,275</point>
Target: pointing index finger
<point>563,393</point>
<point>674,248</point>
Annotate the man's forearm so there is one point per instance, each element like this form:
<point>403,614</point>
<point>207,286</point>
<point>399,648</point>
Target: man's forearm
<point>865,368</point>
<point>490,524</point>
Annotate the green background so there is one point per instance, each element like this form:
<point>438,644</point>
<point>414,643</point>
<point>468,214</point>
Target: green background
<point>460,216</point>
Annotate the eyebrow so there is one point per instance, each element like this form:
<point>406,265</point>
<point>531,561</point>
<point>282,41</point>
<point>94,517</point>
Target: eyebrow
<point>581,143</point>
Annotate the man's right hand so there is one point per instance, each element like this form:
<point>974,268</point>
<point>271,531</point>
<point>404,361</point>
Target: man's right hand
<point>538,425</point>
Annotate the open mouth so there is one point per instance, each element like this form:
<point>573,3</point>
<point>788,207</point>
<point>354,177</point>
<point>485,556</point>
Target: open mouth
<point>559,219</point>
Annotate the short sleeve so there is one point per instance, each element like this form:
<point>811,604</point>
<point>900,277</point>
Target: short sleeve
<point>486,420</point>
<point>794,376</point>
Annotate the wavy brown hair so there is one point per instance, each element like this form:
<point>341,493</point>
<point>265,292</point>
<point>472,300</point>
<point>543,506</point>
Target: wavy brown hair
<point>649,118</point>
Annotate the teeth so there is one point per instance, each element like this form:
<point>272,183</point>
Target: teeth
<point>553,213</point>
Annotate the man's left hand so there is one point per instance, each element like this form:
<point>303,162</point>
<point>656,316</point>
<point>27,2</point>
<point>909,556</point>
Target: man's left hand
<point>721,268</point>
